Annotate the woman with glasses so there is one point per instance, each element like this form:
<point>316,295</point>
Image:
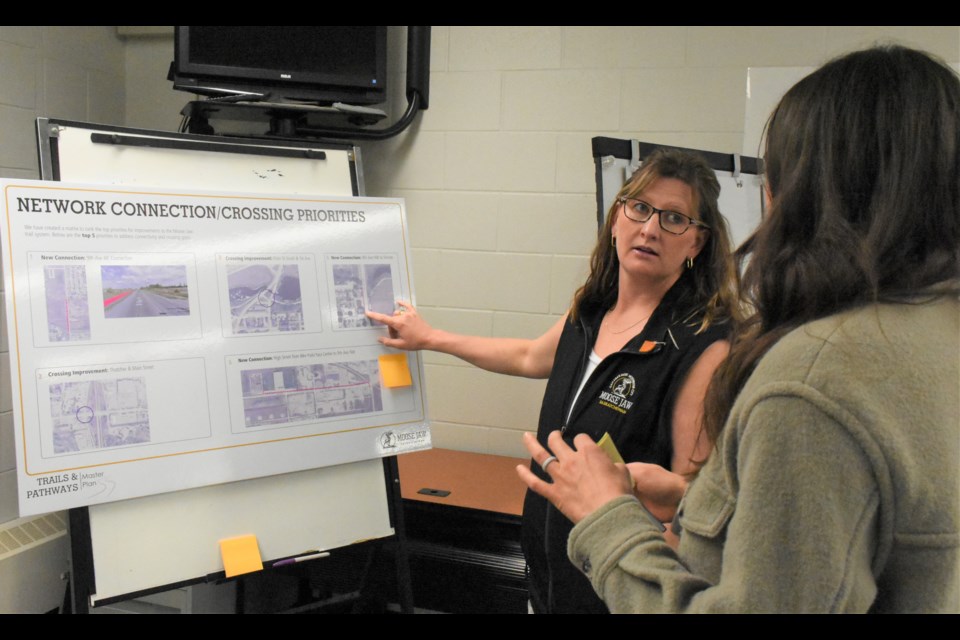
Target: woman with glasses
<point>632,357</point>
<point>835,484</point>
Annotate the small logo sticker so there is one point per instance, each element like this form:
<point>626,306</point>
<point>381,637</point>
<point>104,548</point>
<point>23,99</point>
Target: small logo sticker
<point>388,440</point>
<point>401,441</point>
<point>619,392</point>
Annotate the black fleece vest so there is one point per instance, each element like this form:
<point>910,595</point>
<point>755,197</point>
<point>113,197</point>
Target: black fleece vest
<point>630,395</point>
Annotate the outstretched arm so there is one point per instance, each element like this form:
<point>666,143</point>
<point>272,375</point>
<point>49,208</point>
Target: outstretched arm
<point>528,358</point>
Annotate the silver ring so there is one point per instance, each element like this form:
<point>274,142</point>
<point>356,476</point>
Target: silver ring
<point>546,463</point>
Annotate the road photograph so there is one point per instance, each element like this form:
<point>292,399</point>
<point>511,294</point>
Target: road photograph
<point>142,291</point>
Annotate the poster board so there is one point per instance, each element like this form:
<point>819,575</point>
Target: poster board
<point>325,507</point>
<point>168,339</point>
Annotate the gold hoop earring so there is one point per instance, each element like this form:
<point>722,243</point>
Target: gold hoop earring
<point>689,262</point>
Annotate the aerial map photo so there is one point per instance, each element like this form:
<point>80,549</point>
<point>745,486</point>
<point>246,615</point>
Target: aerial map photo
<point>282,395</point>
<point>359,288</point>
<point>68,316</point>
<point>265,298</point>
<point>99,414</point>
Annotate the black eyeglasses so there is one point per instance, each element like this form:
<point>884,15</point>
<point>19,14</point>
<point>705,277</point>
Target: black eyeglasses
<point>670,221</point>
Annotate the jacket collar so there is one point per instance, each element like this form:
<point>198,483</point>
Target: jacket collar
<point>664,329</point>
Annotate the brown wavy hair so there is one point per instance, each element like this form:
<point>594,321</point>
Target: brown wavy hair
<point>863,163</point>
<point>712,294</point>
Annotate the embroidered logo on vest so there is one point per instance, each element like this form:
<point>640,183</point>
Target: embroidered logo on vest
<point>618,394</point>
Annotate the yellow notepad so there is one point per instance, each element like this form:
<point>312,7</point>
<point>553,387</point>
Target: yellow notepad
<point>606,443</point>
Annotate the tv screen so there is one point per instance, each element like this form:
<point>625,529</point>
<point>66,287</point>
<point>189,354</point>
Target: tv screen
<point>316,64</point>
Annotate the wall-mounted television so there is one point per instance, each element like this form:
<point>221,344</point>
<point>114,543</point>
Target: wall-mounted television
<point>312,64</point>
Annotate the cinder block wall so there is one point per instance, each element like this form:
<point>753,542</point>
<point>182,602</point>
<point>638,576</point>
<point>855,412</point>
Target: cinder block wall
<point>74,73</point>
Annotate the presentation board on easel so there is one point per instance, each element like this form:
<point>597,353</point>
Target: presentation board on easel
<point>290,512</point>
<point>741,201</point>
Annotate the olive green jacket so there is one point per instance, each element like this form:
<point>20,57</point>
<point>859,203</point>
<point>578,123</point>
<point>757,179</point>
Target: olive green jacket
<point>834,487</point>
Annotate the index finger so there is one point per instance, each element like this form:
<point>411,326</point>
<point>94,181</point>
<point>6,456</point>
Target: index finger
<point>379,317</point>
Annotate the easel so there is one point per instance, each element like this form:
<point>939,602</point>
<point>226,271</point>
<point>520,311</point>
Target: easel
<point>146,545</point>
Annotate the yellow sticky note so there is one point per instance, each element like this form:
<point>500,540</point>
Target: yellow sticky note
<point>608,447</point>
<point>606,443</point>
<point>394,370</point>
<point>240,555</point>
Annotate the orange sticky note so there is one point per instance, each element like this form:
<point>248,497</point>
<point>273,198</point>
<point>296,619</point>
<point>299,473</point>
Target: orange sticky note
<point>240,555</point>
<point>394,370</point>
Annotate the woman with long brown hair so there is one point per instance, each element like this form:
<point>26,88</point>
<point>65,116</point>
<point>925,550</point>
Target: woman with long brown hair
<point>834,486</point>
<point>631,358</point>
